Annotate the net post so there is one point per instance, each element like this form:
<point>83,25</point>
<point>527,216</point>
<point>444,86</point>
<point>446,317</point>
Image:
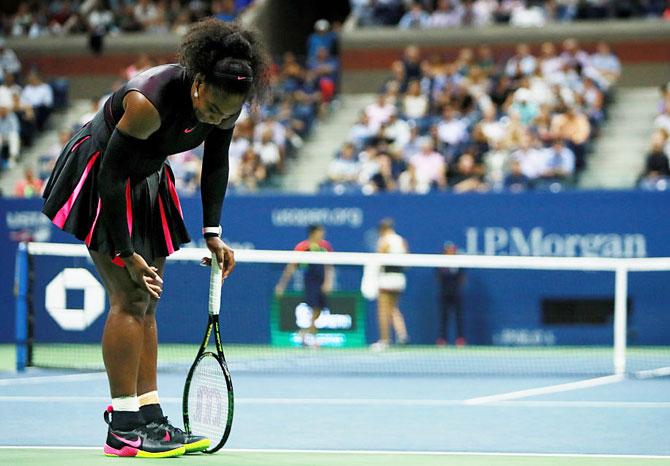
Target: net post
<point>21,279</point>
<point>620,318</point>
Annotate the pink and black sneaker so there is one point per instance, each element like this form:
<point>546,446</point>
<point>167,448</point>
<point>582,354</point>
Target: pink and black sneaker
<point>141,442</point>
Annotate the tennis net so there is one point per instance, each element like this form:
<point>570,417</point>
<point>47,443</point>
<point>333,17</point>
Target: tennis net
<point>522,315</point>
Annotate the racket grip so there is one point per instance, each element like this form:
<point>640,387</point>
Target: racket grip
<point>215,278</point>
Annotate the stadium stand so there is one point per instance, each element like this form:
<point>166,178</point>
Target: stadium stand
<point>478,13</point>
<point>475,115</point>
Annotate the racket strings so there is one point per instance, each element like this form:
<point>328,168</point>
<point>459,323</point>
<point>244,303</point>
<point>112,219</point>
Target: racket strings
<point>208,404</point>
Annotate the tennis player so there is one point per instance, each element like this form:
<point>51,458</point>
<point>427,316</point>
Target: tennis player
<point>391,283</point>
<point>318,279</point>
<point>113,189</point>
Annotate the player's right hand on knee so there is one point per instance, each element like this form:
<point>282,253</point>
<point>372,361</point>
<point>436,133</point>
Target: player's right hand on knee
<point>144,276</point>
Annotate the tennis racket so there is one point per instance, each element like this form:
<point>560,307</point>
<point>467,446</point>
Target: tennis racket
<point>208,394</point>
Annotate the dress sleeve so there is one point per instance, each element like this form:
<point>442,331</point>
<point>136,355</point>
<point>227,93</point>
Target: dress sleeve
<point>112,180</point>
<point>214,176</point>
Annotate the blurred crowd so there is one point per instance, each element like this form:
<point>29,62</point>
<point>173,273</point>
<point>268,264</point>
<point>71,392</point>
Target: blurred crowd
<point>26,103</point>
<point>479,122</point>
<point>656,172</point>
<point>34,18</point>
<point>523,13</point>
<point>267,134</point>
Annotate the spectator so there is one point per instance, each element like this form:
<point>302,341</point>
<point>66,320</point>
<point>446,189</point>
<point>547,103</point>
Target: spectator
<point>413,145</point>
<point>39,96</point>
<point>430,166</point>
<point>412,64</point>
<point>573,55</point>
<point>322,37</point>
<point>529,157</point>
<point>515,180</point>
<point>525,106</point>
<point>383,180</point>
<point>361,133</point>
<point>522,63</point>
<point>485,60</point>
<point>606,63</point>
<point>495,160</point>
<point>451,281</point>
<point>343,171</point>
<point>662,121</point>
<point>250,173</point>
<point>378,113</point>
<point>29,186</point>
<point>415,103</point>
<point>408,182</point>
<point>151,16</point>
<point>490,129</point>
<point>573,127</point>
<point>527,15</point>
<point>325,69</point>
<point>278,132</point>
<point>182,22</point>
<point>10,140</point>
<point>592,100</point>
<point>238,146</point>
<point>9,62</point>
<point>550,62</point>
<point>446,14</point>
<point>452,131</point>
<point>398,132</point>
<point>656,164</point>
<point>269,152</point>
<point>6,97</point>
<point>416,17</point>
<point>467,176</point>
<point>558,164</point>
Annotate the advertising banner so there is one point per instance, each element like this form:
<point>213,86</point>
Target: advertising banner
<point>509,307</point>
<point>340,324</point>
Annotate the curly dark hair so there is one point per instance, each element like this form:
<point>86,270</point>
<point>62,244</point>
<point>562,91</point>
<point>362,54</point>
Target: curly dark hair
<point>227,55</point>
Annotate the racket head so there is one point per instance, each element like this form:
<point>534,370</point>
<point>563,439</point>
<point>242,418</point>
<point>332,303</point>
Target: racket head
<point>208,400</point>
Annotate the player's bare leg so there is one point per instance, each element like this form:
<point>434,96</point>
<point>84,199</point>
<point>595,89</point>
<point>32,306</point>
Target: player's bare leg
<point>122,345</point>
<point>146,376</point>
<point>399,326</point>
<point>312,329</point>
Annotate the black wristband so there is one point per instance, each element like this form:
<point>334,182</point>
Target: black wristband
<point>211,235</point>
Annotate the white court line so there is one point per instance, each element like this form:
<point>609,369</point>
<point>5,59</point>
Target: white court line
<point>375,452</point>
<point>359,402</point>
<point>652,373</point>
<point>40,379</point>
<point>563,387</point>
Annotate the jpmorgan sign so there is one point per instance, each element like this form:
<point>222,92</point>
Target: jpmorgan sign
<point>499,241</point>
<point>56,299</point>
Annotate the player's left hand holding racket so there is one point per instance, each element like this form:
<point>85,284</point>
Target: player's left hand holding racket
<point>208,393</point>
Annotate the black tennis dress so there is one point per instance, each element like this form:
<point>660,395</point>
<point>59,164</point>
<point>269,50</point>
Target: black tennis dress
<point>154,216</point>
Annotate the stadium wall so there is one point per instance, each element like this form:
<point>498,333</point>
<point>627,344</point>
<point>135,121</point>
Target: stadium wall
<point>503,307</point>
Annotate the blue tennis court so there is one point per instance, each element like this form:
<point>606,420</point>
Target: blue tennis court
<point>439,414</point>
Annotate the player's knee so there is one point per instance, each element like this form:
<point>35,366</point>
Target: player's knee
<point>135,303</point>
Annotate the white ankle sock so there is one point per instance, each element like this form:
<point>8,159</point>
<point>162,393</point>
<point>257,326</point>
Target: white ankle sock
<point>126,403</point>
